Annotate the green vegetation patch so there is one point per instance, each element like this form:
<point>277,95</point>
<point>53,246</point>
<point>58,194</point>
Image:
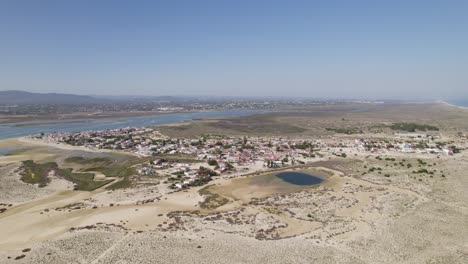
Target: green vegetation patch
<point>413,127</point>
<point>18,151</point>
<point>107,166</point>
<point>201,181</point>
<point>455,149</point>
<point>212,162</point>
<point>85,161</point>
<point>82,181</point>
<point>36,173</point>
<point>348,131</point>
<point>115,171</point>
<point>206,171</point>
<point>255,126</point>
<point>212,200</point>
<point>122,184</point>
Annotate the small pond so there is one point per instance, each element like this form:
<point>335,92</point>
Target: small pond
<point>299,178</point>
<point>270,183</point>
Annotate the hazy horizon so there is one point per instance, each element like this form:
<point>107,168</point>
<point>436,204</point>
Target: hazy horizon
<point>331,49</point>
<point>205,96</point>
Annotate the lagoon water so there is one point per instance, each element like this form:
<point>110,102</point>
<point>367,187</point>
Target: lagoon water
<point>299,178</point>
<point>7,150</point>
<point>11,130</point>
<point>46,126</point>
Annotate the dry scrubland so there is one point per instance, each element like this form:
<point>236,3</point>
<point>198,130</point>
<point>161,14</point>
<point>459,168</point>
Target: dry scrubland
<point>369,210</point>
<point>313,121</point>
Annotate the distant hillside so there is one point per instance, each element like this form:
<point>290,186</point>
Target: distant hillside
<point>143,98</point>
<point>21,97</point>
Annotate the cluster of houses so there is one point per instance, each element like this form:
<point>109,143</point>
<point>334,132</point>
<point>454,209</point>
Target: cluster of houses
<point>222,153</point>
<point>183,174</point>
<point>129,138</point>
<point>405,143</point>
<point>239,150</point>
<point>148,142</point>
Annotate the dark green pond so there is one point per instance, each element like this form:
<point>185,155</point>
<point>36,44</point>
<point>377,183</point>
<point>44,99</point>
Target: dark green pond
<point>299,178</point>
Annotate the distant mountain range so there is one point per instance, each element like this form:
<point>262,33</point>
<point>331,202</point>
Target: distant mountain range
<point>21,97</point>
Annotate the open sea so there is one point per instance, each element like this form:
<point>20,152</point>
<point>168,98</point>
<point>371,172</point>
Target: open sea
<point>461,102</point>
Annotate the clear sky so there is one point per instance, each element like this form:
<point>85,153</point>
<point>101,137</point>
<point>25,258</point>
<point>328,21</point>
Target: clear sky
<point>336,49</point>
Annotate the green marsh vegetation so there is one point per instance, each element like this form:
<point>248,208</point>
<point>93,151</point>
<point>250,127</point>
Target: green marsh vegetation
<point>212,200</point>
<point>413,127</point>
<point>122,184</point>
<point>107,166</point>
<point>37,173</point>
<point>347,131</point>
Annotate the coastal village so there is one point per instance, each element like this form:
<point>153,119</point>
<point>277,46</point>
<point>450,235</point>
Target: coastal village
<point>332,184</point>
<point>234,156</point>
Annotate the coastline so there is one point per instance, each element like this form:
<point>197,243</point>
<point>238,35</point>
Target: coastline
<point>30,142</point>
<point>13,130</point>
<point>7,119</point>
<point>56,145</point>
<point>452,105</point>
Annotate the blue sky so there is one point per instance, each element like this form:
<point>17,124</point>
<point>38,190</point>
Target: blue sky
<point>346,49</point>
